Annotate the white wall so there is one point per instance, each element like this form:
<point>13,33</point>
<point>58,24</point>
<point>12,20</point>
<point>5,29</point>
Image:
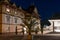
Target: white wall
<point>56,25</point>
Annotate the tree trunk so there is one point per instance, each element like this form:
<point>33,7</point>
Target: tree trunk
<point>29,35</point>
<point>29,32</point>
<point>36,32</point>
<point>42,30</point>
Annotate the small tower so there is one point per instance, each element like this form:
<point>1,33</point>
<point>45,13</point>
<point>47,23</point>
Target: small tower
<point>20,7</point>
<point>35,8</point>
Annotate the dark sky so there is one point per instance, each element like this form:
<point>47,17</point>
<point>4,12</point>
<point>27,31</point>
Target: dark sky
<point>46,8</point>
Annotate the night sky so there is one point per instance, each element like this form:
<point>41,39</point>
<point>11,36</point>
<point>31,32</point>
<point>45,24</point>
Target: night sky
<point>46,8</point>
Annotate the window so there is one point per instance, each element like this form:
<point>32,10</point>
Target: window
<point>8,18</point>
<point>15,20</point>
<point>8,10</point>
<point>15,12</point>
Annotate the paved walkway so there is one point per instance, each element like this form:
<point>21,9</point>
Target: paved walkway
<point>53,34</point>
<point>13,36</point>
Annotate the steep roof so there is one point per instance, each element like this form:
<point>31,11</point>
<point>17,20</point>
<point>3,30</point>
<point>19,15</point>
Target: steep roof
<point>32,10</point>
<point>7,1</point>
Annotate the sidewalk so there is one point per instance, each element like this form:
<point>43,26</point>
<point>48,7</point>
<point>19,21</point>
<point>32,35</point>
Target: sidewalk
<point>21,34</point>
<point>12,34</point>
<point>53,34</point>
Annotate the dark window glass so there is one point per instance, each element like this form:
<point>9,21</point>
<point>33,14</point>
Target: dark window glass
<point>8,18</point>
<point>15,20</point>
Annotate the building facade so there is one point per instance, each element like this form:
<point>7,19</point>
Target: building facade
<point>11,17</point>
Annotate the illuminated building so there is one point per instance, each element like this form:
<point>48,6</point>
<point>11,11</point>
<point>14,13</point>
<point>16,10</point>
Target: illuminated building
<point>11,17</point>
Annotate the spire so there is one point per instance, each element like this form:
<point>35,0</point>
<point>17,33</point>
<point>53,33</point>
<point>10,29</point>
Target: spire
<point>20,7</point>
<point>31,8</point>
<point>14,4</point>
<point>35,10</point>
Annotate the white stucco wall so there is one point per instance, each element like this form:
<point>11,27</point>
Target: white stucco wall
<point>56,25</point>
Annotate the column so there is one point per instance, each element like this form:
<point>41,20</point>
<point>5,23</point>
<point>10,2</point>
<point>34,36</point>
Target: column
<point>53,26</point>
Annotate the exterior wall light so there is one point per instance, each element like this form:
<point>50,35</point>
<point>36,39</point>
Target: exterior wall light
<point>8,10</point>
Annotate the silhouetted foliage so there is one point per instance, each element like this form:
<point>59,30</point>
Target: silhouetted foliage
<point>10,2</point>
<point>56,15</point>
<point>45,22</point>
<point>18,6</point>
<point>31,8</point>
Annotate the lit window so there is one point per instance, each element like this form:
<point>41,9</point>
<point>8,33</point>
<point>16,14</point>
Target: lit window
<point>8,10</point>
<point>16,13</point>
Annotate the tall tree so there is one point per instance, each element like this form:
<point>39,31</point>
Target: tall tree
<point>45,22</point>
<point>30,23</point>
